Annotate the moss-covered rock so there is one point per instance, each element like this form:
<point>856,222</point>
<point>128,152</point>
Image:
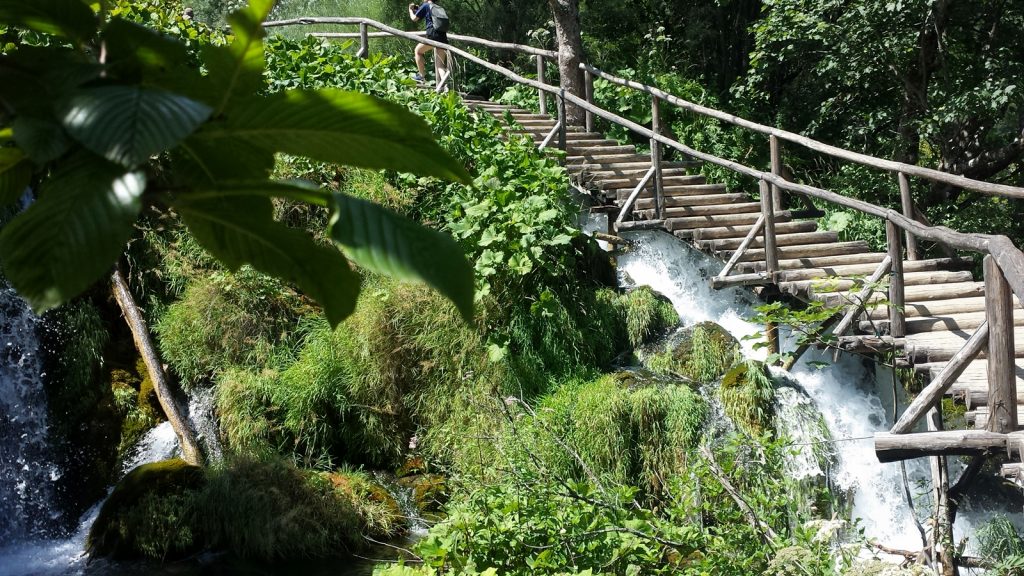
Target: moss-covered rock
<point>702,352</point>
<point>429,491</point>
<point>379,510</point>
<point>747,394</point>
<point>149,513</point>
<point>649,315</point>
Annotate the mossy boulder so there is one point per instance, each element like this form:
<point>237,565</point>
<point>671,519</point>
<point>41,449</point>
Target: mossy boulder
<point>649,315</point>
<point>702,352</point>
<point>378,508</point>
<point>429,491</point>
<point>747,393</point>
<point>148,513</point>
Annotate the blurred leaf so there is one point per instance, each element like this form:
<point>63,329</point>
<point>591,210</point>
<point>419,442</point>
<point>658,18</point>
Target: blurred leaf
<point>71,19</point>
<point>71,235</point>
<point>128,124</point>
<point>339,126</point>
<point>240,230</point>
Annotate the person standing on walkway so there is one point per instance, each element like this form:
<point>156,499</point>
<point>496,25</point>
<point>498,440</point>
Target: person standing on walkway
<point>437,30</point>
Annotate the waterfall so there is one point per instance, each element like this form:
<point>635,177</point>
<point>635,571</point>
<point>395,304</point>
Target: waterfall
<point>27,469</point>
<point>844,391</point>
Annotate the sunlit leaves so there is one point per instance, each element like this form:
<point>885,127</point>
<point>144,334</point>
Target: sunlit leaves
<point>382,241</point>
<point>240,230</point>
<point>72,234</point>
<point>339,126</point>
<point>237,70</point>
<point>128,124</point>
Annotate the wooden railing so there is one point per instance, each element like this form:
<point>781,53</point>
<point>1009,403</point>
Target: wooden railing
<point>1003,262</point>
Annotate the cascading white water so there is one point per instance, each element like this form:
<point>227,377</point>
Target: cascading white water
<point>27,470</point>
<point>844,391</point>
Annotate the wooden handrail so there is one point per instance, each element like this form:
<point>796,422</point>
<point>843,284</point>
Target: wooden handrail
<point>628,205</point>
<point>747,241</point>
<point>1006,255</point>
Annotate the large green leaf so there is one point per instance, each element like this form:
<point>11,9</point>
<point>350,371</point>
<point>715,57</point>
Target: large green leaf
<point>15,175</point>
<point>202,162</point>
<point>383,241</point>
<point>128,124</point>
<point>42,139</point>
<point>241,230</point>
<point>73,233</point>
<point>338,126</point>
<point>32,78</point>
<point>236,70</point>
<point>68,18</point>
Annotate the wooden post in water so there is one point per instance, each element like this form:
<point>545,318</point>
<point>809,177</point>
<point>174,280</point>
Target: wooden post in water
<point>656,154</point>
<point>561,119</point>
<point>941,544</point>
<point>1002,384</point>
<point>776,155</point>
<point>364,42</point>
<point>771,254</point>
<point>897,319</point>
<point>542,96</point>
<point>588,86</point>
<point>907,203</point>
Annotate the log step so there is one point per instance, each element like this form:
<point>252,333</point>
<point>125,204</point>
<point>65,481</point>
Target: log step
<point>599,151</point>
<point>705,210</point>
<point>741,231</point>
<point>850,270</point>
<point>952,322</point>
<point>914,293</point>
<point>940,346</point>
<point>972,385</point>
<point>631,182</point>
<point>822,262</point>
<point>693,200</point>
<point>837,284</point>
<point>805,251</point>
<point>941,307</point>
<point>979,417</point>
<point>714,246</point>
<point>671,191</point>
<point>687,223</point>
<point>611,158</point>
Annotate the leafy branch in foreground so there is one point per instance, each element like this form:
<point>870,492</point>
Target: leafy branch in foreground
<point>105,118</point>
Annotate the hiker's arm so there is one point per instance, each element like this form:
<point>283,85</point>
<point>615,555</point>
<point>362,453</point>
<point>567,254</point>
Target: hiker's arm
<point>412,13</point>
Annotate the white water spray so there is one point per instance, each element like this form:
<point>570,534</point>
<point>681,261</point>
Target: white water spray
<point>844,391</point>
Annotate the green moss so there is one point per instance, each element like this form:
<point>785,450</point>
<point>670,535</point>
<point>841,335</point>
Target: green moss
<point>954,414</point>
<point>148,513</point>
<point>794,561</point>
<point>648,314</point>
<point>637,434</point>
<point>747,394</point>
<point>702,352</point>
<point>136,403</point>
<point>255,509</point>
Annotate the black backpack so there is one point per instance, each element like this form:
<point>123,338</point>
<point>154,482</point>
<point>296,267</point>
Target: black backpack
<point>440,18</point>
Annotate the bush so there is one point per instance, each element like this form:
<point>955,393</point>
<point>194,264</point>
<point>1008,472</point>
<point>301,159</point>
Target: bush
<point>748,397</point>
<point>224,320</point>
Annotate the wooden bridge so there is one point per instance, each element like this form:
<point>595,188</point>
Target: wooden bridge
<point>965,334</point>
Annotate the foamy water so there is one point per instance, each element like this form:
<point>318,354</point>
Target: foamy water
<point>844,391</point>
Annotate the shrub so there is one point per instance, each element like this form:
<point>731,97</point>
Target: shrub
<point>748,396</point>
<point>225,319</point>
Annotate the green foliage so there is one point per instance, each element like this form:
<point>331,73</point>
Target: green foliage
<point>702,353</point>
<point>747,394</point>
<point>648,314</point>
<point>808,323</point>
<point>998,539</point>
<point>228,319</point>
<point>91,131</point>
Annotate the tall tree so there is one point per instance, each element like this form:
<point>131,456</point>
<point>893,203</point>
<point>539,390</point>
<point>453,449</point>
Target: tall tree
<point>570,53</point>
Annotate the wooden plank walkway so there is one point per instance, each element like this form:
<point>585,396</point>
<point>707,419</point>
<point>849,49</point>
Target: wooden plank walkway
<point>944,303</point>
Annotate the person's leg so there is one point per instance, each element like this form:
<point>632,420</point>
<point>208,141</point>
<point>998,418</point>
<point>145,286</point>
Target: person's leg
<point>421,63</point>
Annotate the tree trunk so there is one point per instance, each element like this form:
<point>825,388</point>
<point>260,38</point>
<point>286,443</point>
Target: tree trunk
<point>570,54</point>
<point>190,450</point>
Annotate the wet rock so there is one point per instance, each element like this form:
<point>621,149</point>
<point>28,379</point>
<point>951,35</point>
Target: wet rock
<point>380,511</point>
<point>412,465</point>
<point>429,491</point>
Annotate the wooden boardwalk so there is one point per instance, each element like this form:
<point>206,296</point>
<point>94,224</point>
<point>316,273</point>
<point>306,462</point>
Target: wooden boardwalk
<point>943,303</point>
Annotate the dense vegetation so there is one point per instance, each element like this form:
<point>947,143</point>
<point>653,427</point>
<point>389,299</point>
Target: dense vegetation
<point>516,430</point>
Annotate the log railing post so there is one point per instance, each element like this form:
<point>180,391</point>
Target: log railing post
<point>561,120</point>
<point>1002,383</point>
<point>907,203</point>
<point>542,96</point>
<point>588,86</point>
<point>775,151</point>
<point>771,254</point>
<point>897,319</point>
<point>364,42</point>
<point>656,154</point>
